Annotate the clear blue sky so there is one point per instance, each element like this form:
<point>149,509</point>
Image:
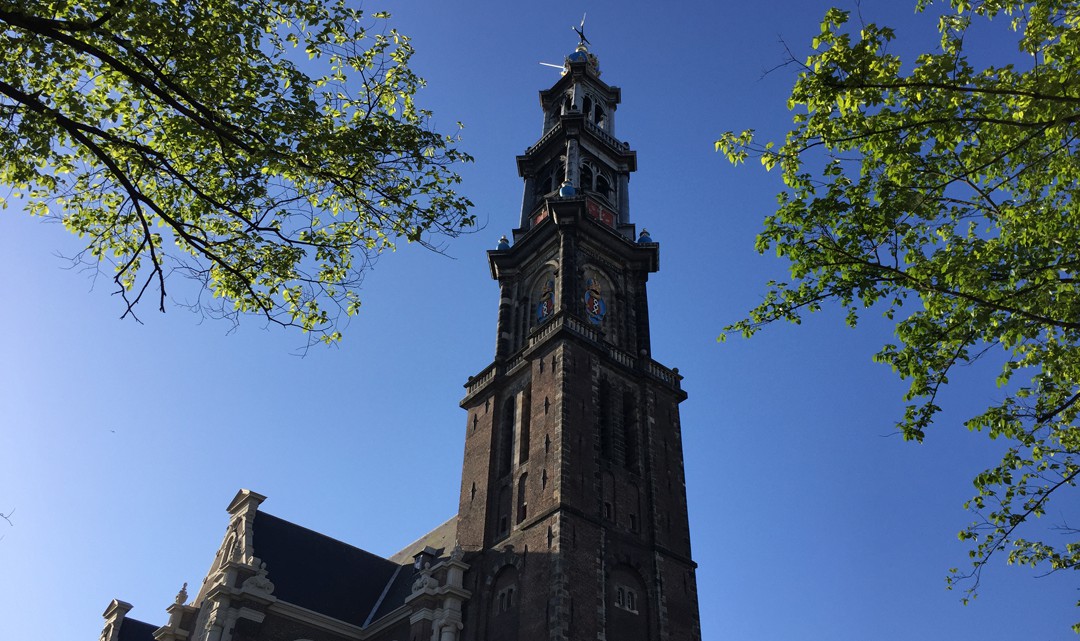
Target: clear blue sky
<point>123,443</point>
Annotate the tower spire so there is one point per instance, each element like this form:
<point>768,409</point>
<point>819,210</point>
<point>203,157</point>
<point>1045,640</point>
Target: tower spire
<point>578,153</point>
<point>572,492</point>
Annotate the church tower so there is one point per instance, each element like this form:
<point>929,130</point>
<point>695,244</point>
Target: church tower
<point>573,515</point>
<point>572,523</point>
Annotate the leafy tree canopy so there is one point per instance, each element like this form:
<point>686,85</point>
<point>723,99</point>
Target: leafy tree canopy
<point>945,195</point>
<point>189,138</point>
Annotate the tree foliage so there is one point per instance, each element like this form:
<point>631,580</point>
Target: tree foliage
<point>944,194</point>
<point>188,138</point>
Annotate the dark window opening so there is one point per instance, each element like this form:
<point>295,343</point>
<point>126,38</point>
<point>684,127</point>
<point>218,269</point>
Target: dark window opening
<point>523,432</point>
<point>630,438</point>
<point>604,416</point>
<point>585,179</point>
<point>503,523</point>
<point>522,310</point>
<point>550,178</point>
<point>594,180</point>
<point>603,186</point>
<point>522,503</point>
<point>506,436</point>
<point>626,598</point>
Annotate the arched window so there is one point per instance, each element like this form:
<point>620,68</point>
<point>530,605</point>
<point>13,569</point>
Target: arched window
<point>629,428</point>
<point>585,178</point>
<point>603,402</point>
<point>523,426</point>
<point>502,523</point>
<point>633,504</point>
<point>551,177</point>
<point>607,509</point>
<point>626,598</point>
<point>591,178</point>
<point>505,441</point>
<point>504,606</point>
<point>628,607</point>
<point>603,186</point>
<point>522,498</point>
<point>594,110</point>
<point>543,186</point>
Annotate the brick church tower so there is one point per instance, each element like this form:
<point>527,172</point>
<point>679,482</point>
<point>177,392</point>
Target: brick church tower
<point>572,523</point>
<point>573,513</point>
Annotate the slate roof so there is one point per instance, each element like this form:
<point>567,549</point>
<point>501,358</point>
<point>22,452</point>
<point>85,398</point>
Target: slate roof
<point>441,538</point>
<point>322,574</point>
<point>135,630</point>
<point>396,592</point>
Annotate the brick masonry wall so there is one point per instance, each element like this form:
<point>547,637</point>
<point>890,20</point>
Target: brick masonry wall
<point>594,512</point>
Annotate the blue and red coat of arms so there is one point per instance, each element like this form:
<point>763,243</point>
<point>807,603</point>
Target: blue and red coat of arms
<point>595,307</point>
<point>546,306</point>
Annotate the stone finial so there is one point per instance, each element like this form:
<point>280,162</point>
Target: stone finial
<point>182,595</point>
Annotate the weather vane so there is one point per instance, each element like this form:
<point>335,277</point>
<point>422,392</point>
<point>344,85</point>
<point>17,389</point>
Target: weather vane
<point>582,40</point>
<point>582,50</point>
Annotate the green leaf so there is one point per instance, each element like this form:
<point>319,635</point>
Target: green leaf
<point>956,187</point>
<point>257,176</point>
